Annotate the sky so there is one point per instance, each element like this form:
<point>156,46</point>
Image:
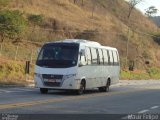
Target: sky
<point>147,3</point>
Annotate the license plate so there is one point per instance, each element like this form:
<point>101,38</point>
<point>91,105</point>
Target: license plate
<point>52,80</point>
<point>58,80</point>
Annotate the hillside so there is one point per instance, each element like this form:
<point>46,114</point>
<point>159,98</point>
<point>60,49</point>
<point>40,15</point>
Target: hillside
<point>104,21</point>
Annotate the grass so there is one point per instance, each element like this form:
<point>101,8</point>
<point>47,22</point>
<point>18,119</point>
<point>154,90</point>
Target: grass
<point>150,73</point>
<point>12,72</point>
<point>128,75</point>
<point>154,72</point>
<point>20,51</point>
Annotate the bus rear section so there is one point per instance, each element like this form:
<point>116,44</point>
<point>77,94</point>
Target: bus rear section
<point>99,67</point>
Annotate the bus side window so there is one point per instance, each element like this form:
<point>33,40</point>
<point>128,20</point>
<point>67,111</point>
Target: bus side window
<point>94,56</point>
<point>117,58</point>
<point>82,59</point>
<point>100,56</point>
<point>111,57</point>
<point>88,55</point>
<point>105,57</point>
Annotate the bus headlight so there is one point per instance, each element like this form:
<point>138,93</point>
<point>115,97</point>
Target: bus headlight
<point>68,76</point>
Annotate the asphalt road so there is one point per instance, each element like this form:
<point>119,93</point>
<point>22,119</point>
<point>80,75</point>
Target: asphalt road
<point>127,97</point>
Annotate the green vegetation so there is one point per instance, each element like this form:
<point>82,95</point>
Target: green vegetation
<point>12,24</point>
<point>35,19</point>
<point>154,72</point>
<point>150,73</point>
<point>130,75</point>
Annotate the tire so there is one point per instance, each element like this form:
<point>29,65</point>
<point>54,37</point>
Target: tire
<point>106,88</point>
<point>43,90</point>
<point>81,89</point>
<point>101,89</point>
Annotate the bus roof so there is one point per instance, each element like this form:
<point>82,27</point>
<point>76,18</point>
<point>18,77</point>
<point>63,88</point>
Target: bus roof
<point>83,42</point>
<point>80,41</point>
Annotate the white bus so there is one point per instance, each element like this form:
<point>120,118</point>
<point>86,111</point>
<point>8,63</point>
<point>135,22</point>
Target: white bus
<point>75,64</point>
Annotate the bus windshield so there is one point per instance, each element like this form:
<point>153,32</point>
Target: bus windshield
<point>58,55</point>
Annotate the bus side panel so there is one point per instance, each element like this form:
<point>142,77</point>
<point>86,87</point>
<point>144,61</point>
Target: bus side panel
<point>96,76</point>
<point>114,74</point>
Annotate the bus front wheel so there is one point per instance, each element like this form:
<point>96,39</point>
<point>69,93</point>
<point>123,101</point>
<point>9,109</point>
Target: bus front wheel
<point>43,90</point>
<point>81,90</point>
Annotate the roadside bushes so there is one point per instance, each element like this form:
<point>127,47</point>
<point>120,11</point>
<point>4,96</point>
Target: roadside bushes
<point>134,75</point>
<point>12,24</point>
<point>12,72</point>
<point>154,72</point>
<point>150,73</point>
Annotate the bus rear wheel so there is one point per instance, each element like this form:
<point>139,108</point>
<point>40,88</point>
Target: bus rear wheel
<point>105,88</point>
<point>43,90</point>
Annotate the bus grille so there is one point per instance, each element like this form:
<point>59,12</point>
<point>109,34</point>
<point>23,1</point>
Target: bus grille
<point>52,80</point>
<point>50,84</point>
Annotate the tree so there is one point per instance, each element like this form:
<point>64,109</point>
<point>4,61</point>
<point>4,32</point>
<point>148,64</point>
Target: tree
<point>93,7</point>
<point>132,4</point>
<point>151,11</point>
<point>12,24</point>
<point>82,2</point>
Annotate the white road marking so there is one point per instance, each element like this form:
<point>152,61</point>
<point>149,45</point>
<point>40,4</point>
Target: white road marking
<point>4,91</point>
<point>143,111</point>
<point>125,118</point>
<point>21,89</point>
<point>15,90</point>
<point>154,107</point>
<point>151,108</point>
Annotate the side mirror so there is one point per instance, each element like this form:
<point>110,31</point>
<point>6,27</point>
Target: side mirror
<point>82,52</point>
<point>38,51</point>
<point>80,65</point>
<point>82,61</point>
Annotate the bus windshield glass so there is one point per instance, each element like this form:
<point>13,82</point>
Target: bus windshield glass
<point>58,55</point>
